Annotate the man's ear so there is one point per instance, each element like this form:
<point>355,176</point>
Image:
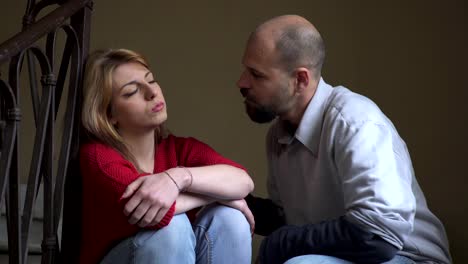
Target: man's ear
<point>302,76</point>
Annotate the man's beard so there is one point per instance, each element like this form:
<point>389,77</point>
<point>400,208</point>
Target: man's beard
<point>258,113</point>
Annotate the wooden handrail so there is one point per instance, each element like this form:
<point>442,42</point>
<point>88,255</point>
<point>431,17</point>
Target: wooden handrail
<point>39,29</point>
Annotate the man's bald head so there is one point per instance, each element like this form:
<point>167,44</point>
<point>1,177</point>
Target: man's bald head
<point>295,40</point>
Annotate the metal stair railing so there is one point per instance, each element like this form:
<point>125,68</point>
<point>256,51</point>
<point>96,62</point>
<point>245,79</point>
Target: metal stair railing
<point>73,17</point>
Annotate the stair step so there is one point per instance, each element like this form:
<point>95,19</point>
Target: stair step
<point>35,236</point>
<point>35,229</point>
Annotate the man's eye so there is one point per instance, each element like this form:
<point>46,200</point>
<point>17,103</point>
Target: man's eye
<point>153,81</point>
<point>256,75</point>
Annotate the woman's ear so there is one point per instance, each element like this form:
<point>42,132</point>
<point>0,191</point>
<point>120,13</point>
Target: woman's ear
<point>111,117</point>
<point>113,121</point>
<point>302,76</point>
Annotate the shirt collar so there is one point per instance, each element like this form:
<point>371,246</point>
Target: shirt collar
<point>310,127</point>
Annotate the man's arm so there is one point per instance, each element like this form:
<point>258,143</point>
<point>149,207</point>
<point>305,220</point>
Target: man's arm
<point>268,216</point>
<point>339,238</point>
<point>373,167</point>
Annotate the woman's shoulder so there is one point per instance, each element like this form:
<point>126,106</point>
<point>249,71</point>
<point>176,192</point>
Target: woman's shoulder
<point>92,146</point>
<point>98,151</point>
<point>97,158</point>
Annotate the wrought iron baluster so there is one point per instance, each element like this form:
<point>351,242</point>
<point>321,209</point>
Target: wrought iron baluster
<point>49,242</point>
<point>13,201</point>
<point>45,107</point>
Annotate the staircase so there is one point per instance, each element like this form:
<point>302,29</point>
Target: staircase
<point>35,230</point>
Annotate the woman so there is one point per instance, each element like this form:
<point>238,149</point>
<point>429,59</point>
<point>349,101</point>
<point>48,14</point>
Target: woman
<point>142,188</point>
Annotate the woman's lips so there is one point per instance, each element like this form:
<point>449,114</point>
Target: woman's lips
<point>158,107</point>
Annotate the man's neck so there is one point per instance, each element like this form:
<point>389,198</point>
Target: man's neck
<point>294,116</point>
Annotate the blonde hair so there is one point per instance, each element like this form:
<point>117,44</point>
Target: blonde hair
<point>98,94</point>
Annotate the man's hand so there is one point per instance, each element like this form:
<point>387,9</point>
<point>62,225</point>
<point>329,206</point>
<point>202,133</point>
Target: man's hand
<point>150,198</point>
<point>241,205</point>
<point>268,215</point>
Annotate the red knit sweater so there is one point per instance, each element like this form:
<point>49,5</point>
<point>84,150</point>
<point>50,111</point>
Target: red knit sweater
<point>106,174</point>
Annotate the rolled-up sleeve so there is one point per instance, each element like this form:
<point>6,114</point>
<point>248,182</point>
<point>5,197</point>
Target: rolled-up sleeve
<point>376,175</point>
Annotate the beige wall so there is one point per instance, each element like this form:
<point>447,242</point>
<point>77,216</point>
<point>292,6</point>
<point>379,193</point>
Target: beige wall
<point>408,56</point>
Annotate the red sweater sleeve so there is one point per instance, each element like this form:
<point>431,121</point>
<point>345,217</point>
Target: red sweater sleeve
<point>105,176</point>
<point>194,153</point>
<point>111,174</point>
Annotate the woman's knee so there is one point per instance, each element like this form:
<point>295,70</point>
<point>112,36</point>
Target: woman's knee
<point>178,234</point>
<point>223,235</point>
<point>171,244</point>
<point>230,220</point>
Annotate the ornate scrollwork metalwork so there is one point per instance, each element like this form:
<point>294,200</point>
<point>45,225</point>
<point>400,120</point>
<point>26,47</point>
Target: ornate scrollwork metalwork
<point>73,18</point>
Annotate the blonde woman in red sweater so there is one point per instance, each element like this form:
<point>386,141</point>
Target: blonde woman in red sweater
<point>149,196</point>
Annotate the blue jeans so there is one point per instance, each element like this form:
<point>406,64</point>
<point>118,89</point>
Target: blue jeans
<point>219,235</point>
<point>320,259</point>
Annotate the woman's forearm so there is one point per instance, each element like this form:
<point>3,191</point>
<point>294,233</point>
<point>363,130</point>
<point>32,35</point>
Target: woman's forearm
<point>217,181</point>
<point>188,201</point>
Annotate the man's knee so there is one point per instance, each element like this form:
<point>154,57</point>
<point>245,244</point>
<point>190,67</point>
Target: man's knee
<point>319,259</point>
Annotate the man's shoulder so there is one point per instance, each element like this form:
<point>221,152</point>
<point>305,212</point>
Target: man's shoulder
<point>344,99</point>
<point>353,108</point>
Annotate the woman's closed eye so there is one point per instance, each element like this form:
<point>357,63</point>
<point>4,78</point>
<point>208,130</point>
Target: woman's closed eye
<point>131,93</point>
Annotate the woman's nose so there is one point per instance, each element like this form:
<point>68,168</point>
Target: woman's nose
<point>151,92</point>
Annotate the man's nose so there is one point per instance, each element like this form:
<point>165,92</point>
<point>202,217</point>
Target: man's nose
<point>243,81</point>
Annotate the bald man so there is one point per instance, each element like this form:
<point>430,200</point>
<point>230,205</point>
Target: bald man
<point>340,180</point>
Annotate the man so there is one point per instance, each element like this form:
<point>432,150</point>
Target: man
<point>340,182</point>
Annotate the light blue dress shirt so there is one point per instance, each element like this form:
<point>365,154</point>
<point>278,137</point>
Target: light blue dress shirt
<point>346,158</point>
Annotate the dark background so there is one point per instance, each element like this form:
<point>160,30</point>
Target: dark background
<point>410,57</point>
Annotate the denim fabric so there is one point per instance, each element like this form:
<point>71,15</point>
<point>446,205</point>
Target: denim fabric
<point>320,259</point>
<point>219,235</point>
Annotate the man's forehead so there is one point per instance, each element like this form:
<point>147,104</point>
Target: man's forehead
<point>259,49</point>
